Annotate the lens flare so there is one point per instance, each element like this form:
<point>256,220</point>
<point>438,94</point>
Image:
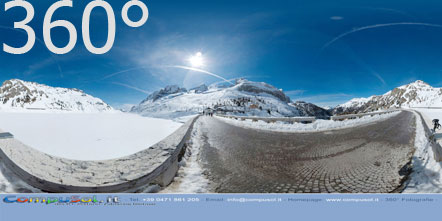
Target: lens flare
<point>197,60</point>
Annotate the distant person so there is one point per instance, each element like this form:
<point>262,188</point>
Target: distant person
<point>436,124</point>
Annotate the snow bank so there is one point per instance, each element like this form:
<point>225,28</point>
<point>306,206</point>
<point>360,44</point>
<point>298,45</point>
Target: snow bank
<point>318,125</point>
<point>426,175</point>
<point>190,177</point>
<point>82,136</point>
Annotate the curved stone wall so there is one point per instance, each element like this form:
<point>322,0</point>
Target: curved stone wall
<point>156,164</point>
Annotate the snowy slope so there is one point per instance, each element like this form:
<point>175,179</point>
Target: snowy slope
<point>416,94</point>
<point>18,95</point>
<point>243,98</point>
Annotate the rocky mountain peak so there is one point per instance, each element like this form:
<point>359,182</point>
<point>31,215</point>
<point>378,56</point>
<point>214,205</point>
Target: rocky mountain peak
<point>168,90</point>
<point>415,94</point>
<point>419,84</point>
<point>200,89</point>
<point>17,94</point>
<point>261,88</point>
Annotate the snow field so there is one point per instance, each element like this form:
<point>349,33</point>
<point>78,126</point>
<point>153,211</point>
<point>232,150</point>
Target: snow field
<point>84,136</point>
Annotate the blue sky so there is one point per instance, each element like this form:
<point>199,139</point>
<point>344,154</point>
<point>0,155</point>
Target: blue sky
<point>294,45</point>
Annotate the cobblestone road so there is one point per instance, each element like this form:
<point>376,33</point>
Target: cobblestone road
<point>365,159</point>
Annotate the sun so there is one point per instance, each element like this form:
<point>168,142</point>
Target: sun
<point>197,60</point>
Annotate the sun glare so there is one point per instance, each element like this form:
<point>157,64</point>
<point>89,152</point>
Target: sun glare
<point>197,60</point>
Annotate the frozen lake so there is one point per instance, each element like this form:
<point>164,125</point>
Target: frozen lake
<point>82,136</point>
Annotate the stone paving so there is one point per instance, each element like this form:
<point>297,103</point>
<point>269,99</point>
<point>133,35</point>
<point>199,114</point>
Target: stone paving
<point>367,159</point>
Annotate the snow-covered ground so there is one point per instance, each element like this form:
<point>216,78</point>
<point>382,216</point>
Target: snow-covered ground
<point>86,136</point>
<point>427,173</point>
<point>318,125</point>
<point>190,177</point>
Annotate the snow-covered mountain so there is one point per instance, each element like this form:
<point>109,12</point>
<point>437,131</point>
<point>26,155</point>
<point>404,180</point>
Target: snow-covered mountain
<point>16,95</point>
<point>169,90</point>
<point>200,89</point>
<point>416,94</point>
<point>242,98</point>
<point>309,109</point>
